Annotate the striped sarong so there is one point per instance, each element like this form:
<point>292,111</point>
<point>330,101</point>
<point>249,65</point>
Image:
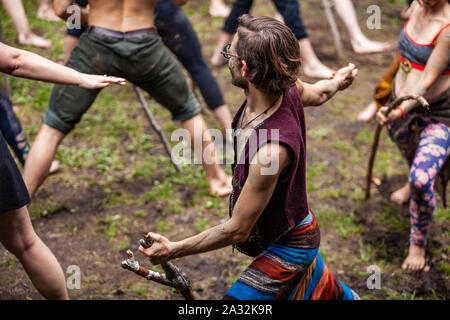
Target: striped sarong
<point>292,268</point>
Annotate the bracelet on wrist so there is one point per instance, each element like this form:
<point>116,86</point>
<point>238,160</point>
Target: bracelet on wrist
<point>402,110</point>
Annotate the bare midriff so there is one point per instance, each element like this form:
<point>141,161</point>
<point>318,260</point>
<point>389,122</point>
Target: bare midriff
<point>422,30</point>
<point>122,15</point>
<point>406,83</point>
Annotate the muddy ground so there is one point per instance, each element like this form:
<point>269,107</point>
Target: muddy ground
<point>116,182</point>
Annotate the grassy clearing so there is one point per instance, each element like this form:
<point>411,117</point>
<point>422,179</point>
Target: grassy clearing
<point>117,182</point>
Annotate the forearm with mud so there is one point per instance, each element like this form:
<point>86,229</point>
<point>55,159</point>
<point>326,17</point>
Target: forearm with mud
<point>218,237</point>
<point>323,91</point>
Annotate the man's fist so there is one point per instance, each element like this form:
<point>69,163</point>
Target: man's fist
<point>160,250</point>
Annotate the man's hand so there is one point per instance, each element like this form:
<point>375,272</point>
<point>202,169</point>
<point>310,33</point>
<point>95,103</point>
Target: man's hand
<point>394,115</point>
<point>160,251</point>
<point>322,91</point>
<point>345,76</point>
<point>92,81</point>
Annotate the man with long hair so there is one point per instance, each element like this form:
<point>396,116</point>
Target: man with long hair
<point>270,218</point>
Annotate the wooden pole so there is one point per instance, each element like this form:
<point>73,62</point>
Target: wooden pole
<point>334,29</point>
<point>172,277</point>
<point>421,100</point>
<point>155,125</point>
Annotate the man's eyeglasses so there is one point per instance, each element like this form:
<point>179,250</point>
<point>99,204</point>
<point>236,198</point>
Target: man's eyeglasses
<point>225,52</point>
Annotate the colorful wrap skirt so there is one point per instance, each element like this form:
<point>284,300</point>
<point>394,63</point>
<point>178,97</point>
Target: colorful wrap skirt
<point>292,269</point>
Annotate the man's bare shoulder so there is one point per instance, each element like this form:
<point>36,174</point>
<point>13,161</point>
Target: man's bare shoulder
<point>269,162</point>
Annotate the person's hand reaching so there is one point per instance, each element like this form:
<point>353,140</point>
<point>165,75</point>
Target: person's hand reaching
<point>93,81</point>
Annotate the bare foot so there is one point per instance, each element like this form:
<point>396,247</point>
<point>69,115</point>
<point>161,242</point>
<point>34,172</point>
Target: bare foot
<point>368,113</point>
<point>415,259</point>
<point>34,40</point>
<point>317,70</point>
<point>369,46</point>
<point>219,9</point>
<point>401,196</point>
<point>54,167</point>
<point>47,13</point>
<point>220,188</point>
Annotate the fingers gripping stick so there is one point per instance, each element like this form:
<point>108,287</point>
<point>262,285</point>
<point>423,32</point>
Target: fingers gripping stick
<point>422,103</point>
<point>172,277</point>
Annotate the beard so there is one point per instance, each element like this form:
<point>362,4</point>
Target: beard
<point>236,79</point>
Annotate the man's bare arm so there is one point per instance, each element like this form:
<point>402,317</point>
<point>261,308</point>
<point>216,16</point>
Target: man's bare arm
<point>318,93</point>
<point>253,199</point>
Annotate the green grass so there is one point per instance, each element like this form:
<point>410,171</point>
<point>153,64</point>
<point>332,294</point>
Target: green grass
<point>202,225</point>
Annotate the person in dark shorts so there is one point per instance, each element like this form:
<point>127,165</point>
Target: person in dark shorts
<point>121,40</point>
<point>16,231</point>
<point>178,34</point>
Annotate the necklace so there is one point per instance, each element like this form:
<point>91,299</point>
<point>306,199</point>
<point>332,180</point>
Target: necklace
<point>241,127</point>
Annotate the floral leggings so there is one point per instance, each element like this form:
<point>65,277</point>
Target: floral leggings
<point>426,159</point>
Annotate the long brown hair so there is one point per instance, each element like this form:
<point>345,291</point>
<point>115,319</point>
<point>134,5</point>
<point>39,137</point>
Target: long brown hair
<point>271,52</point>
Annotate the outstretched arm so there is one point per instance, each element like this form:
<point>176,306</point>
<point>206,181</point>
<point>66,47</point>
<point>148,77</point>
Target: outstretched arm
<point>254,197</point>
<point>322,91</point>
<point>436,64</point>
<point>21,63</point>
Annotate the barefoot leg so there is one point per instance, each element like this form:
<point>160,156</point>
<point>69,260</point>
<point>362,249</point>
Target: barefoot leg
<point>40,157</point>
<point>218,9</point>
<point>46,12</point>
<point>312,67</point>
<point>360,44</point>
<point>368,113</point>
<point>18,237</point>
<point>425,167</point>
<point>416,258</point>
<point>203,146</point>
<point>14,9</point>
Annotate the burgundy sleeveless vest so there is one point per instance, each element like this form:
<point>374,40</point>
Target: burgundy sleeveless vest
<point>288,205</point>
